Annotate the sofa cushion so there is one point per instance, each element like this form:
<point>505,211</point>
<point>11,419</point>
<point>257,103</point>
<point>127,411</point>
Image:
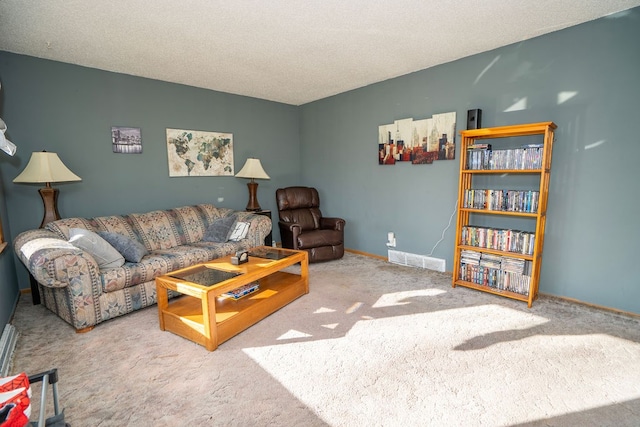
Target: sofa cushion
<point>169,228</point>
<point>129,248</point>
<point>104,254</point>
<point>191,222</point>
<point>114,224</point>
<point>220,230</point>
<point>62,226</point>
<point>156,229</point>
<point>164,261</point>
<point>132,274</point>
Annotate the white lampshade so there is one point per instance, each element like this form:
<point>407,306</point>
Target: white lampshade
<point>252,169</point>
<point>46,167</point>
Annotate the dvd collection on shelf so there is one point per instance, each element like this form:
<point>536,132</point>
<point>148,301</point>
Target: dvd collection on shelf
<point>482,157</point>
<point>495,271</point>
<point>503,185</point>
<point>502,200</point>
<point>507,240</point>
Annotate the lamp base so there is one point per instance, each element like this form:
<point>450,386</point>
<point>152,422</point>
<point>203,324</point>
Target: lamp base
<point>50,199</point>
<point>253,204</point>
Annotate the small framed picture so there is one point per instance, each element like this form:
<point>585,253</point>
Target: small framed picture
<point>126,140</point>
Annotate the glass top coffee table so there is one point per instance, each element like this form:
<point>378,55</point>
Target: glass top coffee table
<point>219,299</point>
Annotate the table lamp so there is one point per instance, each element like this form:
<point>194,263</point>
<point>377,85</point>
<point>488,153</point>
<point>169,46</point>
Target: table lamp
<point>252,169</point>
<point>46,167</point>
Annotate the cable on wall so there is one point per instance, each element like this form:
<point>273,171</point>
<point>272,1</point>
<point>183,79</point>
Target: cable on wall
<point>455,207</point>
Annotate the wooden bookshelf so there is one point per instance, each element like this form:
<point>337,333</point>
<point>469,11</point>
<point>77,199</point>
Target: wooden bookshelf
<point>503,160</point>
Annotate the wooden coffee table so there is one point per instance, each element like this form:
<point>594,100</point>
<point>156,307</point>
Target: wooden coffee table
<point>204,314</point>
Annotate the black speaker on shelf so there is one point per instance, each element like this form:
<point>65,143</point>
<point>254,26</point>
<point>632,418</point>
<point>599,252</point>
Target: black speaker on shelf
<point>474,117</point>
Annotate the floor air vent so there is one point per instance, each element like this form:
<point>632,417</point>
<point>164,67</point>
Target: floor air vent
<point>414,260</point>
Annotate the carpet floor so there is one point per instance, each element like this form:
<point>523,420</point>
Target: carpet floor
<point>372,344</point>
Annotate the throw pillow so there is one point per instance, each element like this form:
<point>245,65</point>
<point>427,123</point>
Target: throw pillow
<point>240,231</point>
<point>219,229</point>
<point>131,249</point>
<point>104,254</point>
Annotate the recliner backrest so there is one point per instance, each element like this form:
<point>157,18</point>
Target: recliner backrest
<point>299,205</point>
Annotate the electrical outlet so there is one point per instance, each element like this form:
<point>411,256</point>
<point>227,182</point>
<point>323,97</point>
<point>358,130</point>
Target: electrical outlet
<point>391,239</point>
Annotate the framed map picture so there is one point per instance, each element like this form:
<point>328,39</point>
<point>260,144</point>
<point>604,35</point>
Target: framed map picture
<point>199,153</point>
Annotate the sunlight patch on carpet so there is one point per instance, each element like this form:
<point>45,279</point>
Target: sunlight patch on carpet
<point>404,297</point>
<point>293,334</point>
<point>324,310</point>
<point>420,360</point>
<point>331,326</point>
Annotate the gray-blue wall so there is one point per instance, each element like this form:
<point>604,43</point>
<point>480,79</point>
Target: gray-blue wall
<point>332,144</point>
<point>584,78</point>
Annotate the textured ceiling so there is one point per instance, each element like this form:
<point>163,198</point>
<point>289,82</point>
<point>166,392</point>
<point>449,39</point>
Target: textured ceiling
<point>291,51</point>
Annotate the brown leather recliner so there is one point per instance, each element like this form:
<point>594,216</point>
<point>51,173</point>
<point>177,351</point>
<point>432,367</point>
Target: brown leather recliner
<point>303,227</point>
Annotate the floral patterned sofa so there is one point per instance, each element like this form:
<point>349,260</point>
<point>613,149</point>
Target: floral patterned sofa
<point>72,284</point>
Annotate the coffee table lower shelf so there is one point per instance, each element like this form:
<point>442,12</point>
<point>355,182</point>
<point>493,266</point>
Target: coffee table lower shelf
<point>210,319</point>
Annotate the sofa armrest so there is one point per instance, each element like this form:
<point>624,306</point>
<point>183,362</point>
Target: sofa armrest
<point>54,262</point>
<point>68,275</point>
<point>259,227</point>
<point>332,223</point>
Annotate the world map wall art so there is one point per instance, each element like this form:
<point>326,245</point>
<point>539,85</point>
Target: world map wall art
<point>199,153</point>
<point>418,142</point>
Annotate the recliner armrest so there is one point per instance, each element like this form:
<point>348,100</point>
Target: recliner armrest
<point>332,223</point>
<point>289,232</point>
<point>291,226</point>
